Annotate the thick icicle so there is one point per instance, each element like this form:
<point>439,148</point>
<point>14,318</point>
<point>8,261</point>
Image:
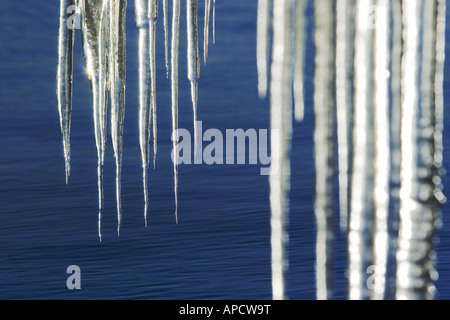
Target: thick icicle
<point>206,30</point>
<point>64,78</point>
<point>142,24</point>
<point>323,141</point>
<point>153,16</point>
<point>299,59</point>
<point>94,32</point>
<point>166,33</point>
<point>193,59</point>
<point>395,147</point>
<point>420,198</point>
<point>262,45</point>
<point>361,216</point>
<point>344,101</point>
<point>174,85</point>
<point>117,66</point>
<point>281,135</point>
<point>382,147</point>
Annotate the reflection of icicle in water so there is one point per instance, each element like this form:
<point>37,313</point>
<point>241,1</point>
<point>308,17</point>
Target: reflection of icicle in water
<point>323,141</point>
<point>382,146</point>
<point>361,216</point>
<point>153,16</point>
<point>117,66</point>
<point>193,59</point>
<point>262,46</point>
<point>64,79</point>
<point>344,101</point>
<point>174,84</point>
<point>94,45</point>
<point>281,120</point>
<point>420,199</point>
<point>142,24</point>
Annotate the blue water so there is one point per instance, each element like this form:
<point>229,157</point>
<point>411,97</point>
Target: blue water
<point>221,247</point>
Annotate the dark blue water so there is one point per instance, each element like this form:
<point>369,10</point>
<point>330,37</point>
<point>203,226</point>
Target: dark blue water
<point>221,247</point>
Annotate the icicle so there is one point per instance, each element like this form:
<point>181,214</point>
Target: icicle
<point>174,85</point>
<point>166,34</point>
<point>299,57</point>
<point>193,59</point>
<point>344,101</point>
<point>94,34</point>
<point>382,147</point>
<point>153,16</point>
<point>323,141</point>
<point>206,30</point>
<point>117,66</point>
<point>361,217</point>
<point>64,78</point>
<point>281,128</point>
<point>142,24</point>
<point>262,46</point>
<point>420,199</point>
<point>395,147</point>
<point>214,21</point>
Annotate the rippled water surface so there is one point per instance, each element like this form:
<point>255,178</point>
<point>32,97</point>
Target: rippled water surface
<point>221,247</point>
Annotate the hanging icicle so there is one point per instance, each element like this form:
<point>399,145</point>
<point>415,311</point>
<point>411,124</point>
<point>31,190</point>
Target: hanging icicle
<point>64,78</point>
<point>206,30</point>
<point>323,142</point>
<point>174,85</point>
<point>299,57</point>
<point>142,24</point>
<point>262,46</point>
<point>193,59</point>
<point>117,67</point>
<point>153,16</point>
<point>281,123</point>
<point>361,216</point>
<point>420,199</point>
<point>344,101</point>
<point>382,146</point>
<point>166,34</point>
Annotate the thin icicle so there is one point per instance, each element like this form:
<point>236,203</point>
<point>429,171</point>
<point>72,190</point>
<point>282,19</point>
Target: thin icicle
<point>94,46</point>
<point>117,66</point>
<point>174,85</point>
<point>206,30</point>
<point>153,16</point>
<point>281,135</point>
<point>262,45</point>
<point>344,102</point>
<point>166,34</point>
<point>64,78</point>
<point>142,24</point>
<point>382,147</point>
<point>420,199</point>
<point>299,60</point>
<point>193,59</point>
<point>214,21</point>
<point>323,141</point>
<point>361,216</point>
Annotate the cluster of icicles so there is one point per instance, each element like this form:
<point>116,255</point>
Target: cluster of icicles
<point>379,81</point>
<point>104,42</point>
